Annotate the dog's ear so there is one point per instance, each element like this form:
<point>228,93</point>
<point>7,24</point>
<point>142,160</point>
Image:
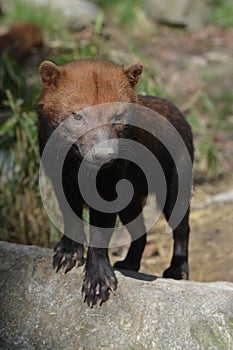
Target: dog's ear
<point>50,74</point>
<point>133,73</point>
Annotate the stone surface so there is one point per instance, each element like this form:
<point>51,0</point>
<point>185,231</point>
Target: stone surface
<point>44,310</point>
<point>192,14</point>
<point>77,13</point>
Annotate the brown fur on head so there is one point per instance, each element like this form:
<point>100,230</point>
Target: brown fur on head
<point>83,83</point>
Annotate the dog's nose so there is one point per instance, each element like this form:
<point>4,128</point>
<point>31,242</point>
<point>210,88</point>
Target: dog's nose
<point>103,153</point>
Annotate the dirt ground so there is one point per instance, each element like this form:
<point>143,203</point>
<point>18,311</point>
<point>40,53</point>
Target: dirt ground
<point>211,238</point>
<point>187,63</point>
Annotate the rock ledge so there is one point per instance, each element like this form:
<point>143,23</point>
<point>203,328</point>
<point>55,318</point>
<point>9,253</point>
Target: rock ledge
<point>44,310</point>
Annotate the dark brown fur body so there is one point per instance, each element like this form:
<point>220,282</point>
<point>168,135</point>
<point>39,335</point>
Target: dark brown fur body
<point>85,83</point>
<point>21,39</point>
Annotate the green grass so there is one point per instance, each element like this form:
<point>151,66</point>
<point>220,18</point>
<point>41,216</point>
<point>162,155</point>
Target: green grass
<point>48,20</point>
<point>224,103</point>
<point>222,13</point>
<point>148,84</point>
<point>123,12</point>
<point>215,119</point>
<point>205,148</point>
<point>21,214</point>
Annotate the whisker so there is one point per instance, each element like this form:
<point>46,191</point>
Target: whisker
<point>127,150</point>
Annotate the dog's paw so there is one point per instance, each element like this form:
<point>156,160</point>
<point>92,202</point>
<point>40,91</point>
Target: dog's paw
<point>67,254</point>
<point>177,272</point>
<point>97,285</point>
<point>124,265</point>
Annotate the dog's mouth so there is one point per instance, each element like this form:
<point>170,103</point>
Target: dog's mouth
<point>95,165</point>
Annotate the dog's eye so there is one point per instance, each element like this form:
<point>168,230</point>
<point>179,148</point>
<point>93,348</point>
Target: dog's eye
<point>77,116</point>
<point>118,118</point>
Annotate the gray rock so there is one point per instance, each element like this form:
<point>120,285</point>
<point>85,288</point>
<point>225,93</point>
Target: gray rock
<point>77,13</point>
<point>44,310</point>
<point>192,14</point>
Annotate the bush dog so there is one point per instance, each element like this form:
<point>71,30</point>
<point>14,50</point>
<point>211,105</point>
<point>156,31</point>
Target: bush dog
<point>66,91</point>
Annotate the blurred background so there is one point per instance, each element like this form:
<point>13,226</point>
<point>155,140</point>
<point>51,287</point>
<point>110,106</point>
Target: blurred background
<point>187,50</point>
